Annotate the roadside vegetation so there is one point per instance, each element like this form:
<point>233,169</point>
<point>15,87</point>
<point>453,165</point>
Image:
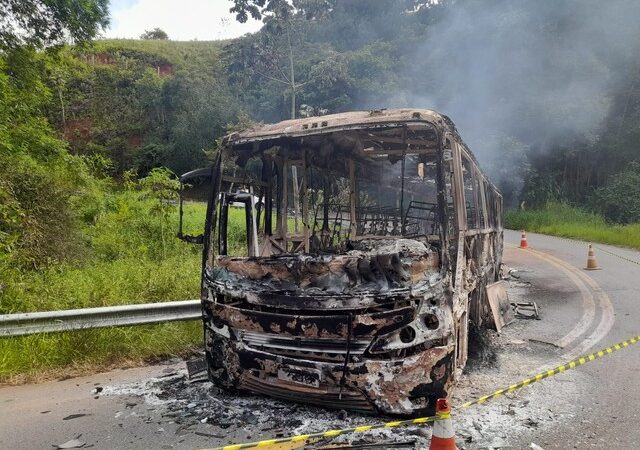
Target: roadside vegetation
<point>610,214</point>
<point>92,135</point>
<point>130,255</point>
<point>561,219</point>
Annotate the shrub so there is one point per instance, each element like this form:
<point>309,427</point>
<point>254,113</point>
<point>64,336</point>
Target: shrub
<point>619,200</point>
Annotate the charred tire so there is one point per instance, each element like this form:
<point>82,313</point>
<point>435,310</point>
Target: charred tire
<point>216,369</point>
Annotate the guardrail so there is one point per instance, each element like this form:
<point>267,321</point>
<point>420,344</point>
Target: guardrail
<point>21,324</point>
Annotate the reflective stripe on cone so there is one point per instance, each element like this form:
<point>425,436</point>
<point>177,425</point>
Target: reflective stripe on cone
<point>523,240</point>
<point>443,437</point>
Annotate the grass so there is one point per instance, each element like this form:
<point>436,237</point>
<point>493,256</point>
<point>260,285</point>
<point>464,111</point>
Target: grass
<point>59,355</point>
<point>560,219</point>
<point>127,267</point>
<point>123,281</point>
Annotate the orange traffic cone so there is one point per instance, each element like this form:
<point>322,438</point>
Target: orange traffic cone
<point>592,264</point>
<point>523,240</point>
<point>443,437</point>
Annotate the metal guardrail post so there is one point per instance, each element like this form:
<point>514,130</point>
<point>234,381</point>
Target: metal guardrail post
<point>21,324</point>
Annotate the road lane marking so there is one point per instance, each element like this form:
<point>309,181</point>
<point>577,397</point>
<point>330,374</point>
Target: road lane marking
<point>607,317</point>
<point>588,303</point>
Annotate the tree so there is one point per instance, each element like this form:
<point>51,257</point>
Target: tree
<point>39,180</point>
<point>155,34</point>
<point>40,23</point>
<point>40,183</point>
<point>259,9</point>
<point>162,186</point>
<point>619,200</point>
<point>272,55</point>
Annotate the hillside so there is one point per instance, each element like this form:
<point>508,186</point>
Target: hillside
<point>143,104</point>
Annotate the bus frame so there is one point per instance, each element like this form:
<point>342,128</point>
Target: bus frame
<point>378,319</point>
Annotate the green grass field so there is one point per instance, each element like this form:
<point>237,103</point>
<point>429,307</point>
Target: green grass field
<point>128,267</point>
<point>559,219</point>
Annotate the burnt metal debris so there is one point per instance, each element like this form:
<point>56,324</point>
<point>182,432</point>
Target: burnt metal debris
<point>526,310</point>
<point>370,239</point>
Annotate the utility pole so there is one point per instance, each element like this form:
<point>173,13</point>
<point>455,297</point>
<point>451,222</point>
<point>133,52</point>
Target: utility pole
<point>294,169</point>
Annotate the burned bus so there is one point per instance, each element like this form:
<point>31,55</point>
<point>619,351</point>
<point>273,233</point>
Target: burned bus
<point>368,239</point>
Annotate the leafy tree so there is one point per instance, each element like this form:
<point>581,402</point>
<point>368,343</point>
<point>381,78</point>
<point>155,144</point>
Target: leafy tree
<point>162,186</point>
<point>39,180</point>
<point>200,109</point>
<point>142,104</point>
<point>271,55</point>
<point>155,34</point>
<point>40,183</point>
<point>619,200</point>
<point>259,9</point>
<point>39,23</point>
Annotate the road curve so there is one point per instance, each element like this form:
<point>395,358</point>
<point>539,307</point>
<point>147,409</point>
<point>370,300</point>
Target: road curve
<point>608,412</point>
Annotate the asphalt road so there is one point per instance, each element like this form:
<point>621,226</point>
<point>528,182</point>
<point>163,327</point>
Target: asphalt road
<point>593,406</point>
<point>608,411</point>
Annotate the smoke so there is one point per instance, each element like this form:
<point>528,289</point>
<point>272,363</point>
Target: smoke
<point>538,73</point>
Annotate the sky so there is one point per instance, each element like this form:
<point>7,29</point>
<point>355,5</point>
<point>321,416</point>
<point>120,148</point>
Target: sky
<point>183,20</point>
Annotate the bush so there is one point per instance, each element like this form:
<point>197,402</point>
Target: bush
<point>38,178</point>
<point>124,262</point>
<point>619,200</point>
<point>131,255</point>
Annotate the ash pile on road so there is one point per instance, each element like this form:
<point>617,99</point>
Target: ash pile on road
<point>192,402</point>
<point>201,408</point>
<point>175,403</point>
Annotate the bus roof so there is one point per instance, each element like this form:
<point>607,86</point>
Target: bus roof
<point>339,122</point>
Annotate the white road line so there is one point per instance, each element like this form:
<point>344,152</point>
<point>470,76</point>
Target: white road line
<point>607,320</point>
<point>588,303</point>
<point>607,317</point>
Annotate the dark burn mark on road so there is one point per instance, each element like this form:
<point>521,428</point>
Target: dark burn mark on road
<point>74,416</point>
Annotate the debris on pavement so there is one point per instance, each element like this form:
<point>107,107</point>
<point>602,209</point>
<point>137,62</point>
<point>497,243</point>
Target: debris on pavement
<point>499,304</point>
<point>526,310</point>
<point>197,368</point>
<point>74,416</point>
<point>73,443</point>
<point>182,406</point>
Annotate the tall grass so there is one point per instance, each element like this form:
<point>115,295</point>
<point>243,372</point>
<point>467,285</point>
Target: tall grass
<point>560,219</point>
<point>125,266</point>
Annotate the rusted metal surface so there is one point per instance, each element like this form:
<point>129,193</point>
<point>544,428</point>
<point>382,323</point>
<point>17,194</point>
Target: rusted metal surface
<point>365,304</point>
<point>498,300</point>
<point>342,121</point>
<point>333,326</point>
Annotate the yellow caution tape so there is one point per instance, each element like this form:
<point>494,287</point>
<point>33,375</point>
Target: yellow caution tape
<point>617,255</point>
<point>333,433</point>
<point>555,371</point>
<point>421,420</point>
